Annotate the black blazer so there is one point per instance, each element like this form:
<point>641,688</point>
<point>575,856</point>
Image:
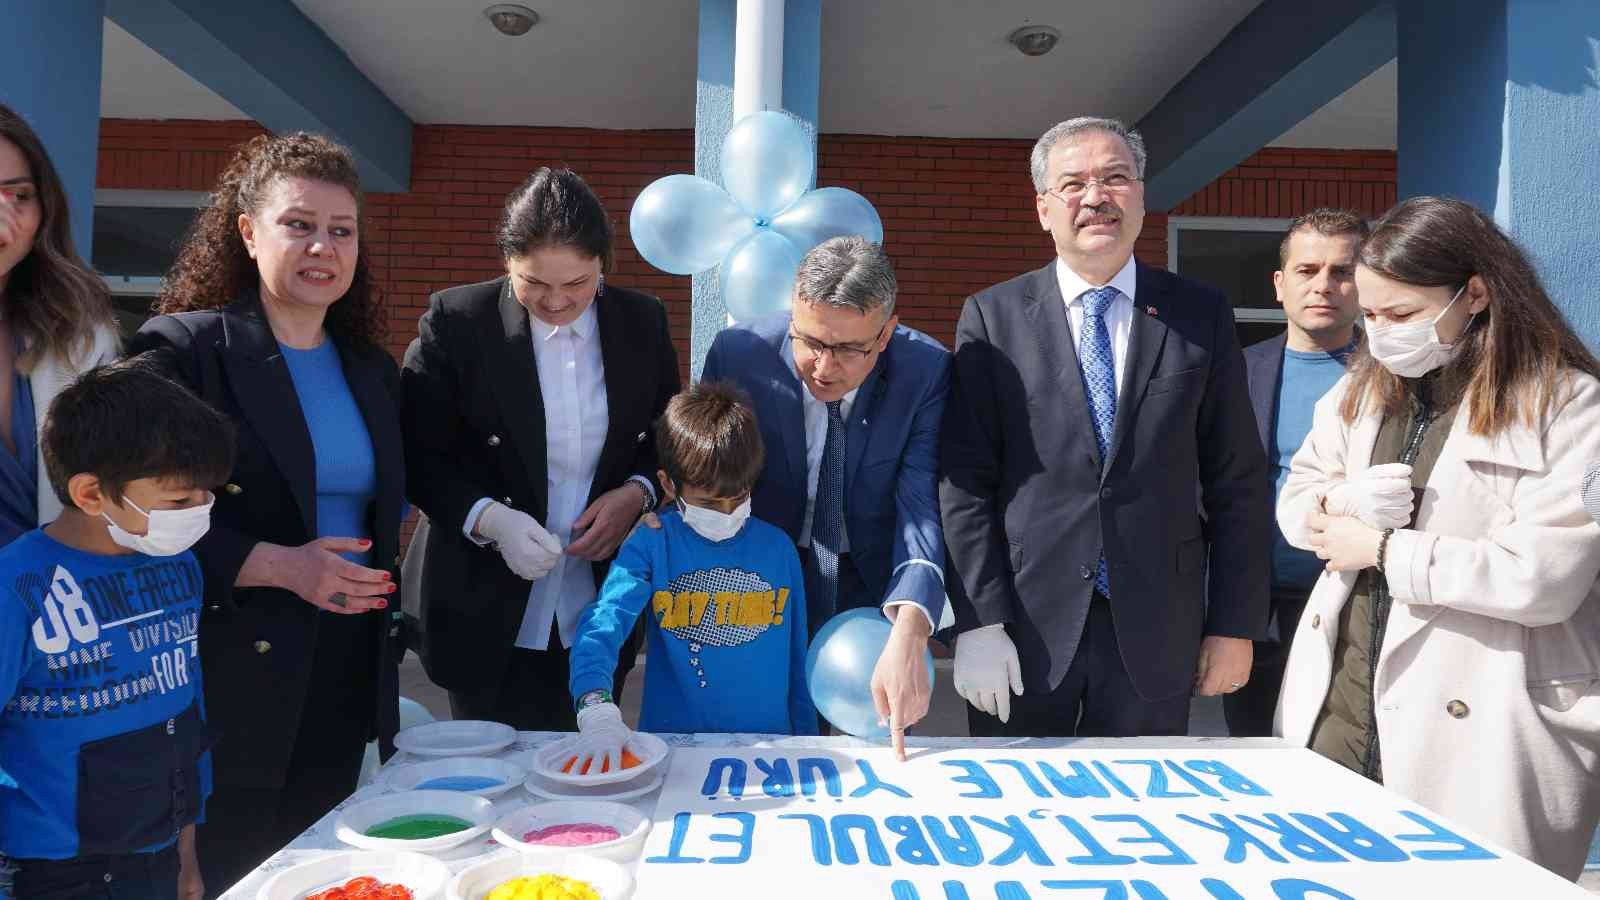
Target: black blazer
<point>1027,508</point>
<point>473,419</point>
<point>1263,363</point>
<point>256,644</point>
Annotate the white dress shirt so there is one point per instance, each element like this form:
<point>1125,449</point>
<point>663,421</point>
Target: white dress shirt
<point>816,421</point>
<point>1119,315</point>
<point>572,381</point>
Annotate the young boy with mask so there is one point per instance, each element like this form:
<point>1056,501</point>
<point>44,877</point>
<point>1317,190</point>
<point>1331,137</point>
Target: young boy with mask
<point>725,595</point>
<point>104,764</point>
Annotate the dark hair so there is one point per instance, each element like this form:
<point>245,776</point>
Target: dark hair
<point>1514,358</point>
<point>52,299</point>
<point>708,439</point>
<point>555,207</point>
<point>213,267</point>
<point>127,421</point>
<point>1327,222</point>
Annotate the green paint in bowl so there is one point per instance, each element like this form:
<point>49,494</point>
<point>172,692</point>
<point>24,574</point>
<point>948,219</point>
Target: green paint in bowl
<point>418,827</point>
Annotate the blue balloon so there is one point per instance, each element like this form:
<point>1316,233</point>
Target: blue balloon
<point>839,670</point>
<point>684,224</point>
<point>825,213</point>
<point>758,275</point>
<point>767,162</point>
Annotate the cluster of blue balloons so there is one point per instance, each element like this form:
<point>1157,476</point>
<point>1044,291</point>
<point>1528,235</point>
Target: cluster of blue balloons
<point>760,226</point>
<point>839,668</point>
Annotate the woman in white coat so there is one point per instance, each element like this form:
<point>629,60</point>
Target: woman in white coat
<point>1452,649</point>
<point>55,320</point>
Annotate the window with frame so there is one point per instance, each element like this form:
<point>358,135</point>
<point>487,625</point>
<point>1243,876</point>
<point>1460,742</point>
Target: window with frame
<point>1237,256</point>
<point>137,235</point>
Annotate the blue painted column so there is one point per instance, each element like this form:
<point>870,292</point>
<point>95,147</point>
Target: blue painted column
<point>1501,107</point>
<point>713,116</point>
<point>50,74</point>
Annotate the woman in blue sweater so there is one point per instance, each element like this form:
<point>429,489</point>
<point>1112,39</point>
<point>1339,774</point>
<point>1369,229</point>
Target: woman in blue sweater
<point>272,317</point>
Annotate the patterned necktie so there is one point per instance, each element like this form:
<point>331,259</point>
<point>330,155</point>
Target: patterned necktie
<point>827,516</point>
<point>1099,386</point>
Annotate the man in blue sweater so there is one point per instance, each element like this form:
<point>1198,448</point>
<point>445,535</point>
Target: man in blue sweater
<point>1288,374</point>
<point>104,763</point>
<point>725,595</point>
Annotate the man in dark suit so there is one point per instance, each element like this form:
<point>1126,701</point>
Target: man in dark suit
<point>1288,374</point>
<point>850,403</point>
<point>1087,400</point>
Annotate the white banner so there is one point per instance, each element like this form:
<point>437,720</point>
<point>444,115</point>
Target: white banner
<point>1012,824</point>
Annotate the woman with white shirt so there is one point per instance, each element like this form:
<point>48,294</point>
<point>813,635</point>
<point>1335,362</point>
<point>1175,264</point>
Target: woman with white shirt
<point>55,320</point>
<point>528,404</point>
<point>1451,651</point>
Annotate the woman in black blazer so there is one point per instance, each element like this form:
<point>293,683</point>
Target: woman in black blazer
<point>270,316</point>
<point>529,405</point>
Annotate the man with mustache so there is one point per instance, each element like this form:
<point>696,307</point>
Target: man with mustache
<point>1088,399</point>
<point>1288,374</point>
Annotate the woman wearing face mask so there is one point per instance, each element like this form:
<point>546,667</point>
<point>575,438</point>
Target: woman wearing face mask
<point>271,316</point>
<point>55,320</point>
<point>528,405</point>
<point>1452,649</point>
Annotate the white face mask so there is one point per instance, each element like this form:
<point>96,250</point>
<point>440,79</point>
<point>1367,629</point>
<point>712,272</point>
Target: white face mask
<point>713,525</point>
<point>170,531</point>
<point>1413,349</point>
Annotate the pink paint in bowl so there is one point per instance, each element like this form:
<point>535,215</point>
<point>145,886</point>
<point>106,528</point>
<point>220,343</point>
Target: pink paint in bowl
<point>575,834</point>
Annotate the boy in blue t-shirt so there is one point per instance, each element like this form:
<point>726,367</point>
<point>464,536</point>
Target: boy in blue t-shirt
<point>725,594</point>
<point>104,762</point>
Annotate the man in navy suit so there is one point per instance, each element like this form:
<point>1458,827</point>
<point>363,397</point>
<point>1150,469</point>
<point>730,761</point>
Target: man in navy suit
<point>1088,399</point>
<point>1288,374</point>
<point>850,404</point>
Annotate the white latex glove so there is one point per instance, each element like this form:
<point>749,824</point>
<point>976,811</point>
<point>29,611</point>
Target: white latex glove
<point>601,735</point>
<point>529,550</point>
<point>1380,497</point>
<point>987,670</point>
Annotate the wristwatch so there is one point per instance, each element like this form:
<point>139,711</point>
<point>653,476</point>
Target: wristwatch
<point>592,698</point>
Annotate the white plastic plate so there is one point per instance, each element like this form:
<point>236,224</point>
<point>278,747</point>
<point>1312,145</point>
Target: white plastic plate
<point>425,876</point>
<point>355,821</point>
<point>631,825</point>
<point>456,738</point>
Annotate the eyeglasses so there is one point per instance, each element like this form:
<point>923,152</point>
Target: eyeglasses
<point>844,354</point>
<point>1116,183</point>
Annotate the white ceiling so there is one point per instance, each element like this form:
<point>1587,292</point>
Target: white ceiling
<point>903,67</point>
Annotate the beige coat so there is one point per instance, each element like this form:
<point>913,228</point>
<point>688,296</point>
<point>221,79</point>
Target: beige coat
<point>49,377</point>
<point>1488,681</point>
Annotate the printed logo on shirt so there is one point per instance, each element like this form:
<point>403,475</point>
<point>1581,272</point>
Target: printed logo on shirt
<point>718,607</point>
<point>109,639</point>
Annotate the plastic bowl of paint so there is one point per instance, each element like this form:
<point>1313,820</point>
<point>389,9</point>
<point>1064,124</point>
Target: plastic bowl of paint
<point>424,876</point>
<point>467,774</point>
<point>590,827</point>
<point>556,761</point>
<point>609,880</point>
<point>416,821</point>
<point>464,737</point>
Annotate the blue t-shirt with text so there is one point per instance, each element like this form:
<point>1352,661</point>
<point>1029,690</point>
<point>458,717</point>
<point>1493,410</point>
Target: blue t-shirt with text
<point>91,647</point>
<point>726,633</point>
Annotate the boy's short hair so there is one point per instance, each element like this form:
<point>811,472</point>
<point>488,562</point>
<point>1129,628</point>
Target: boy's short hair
<point>708,439</point>
<point>127,421</point>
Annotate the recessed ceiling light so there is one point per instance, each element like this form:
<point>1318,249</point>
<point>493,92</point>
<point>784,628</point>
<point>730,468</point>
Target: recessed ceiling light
<point>510,19</point>
<point>1034,40</point>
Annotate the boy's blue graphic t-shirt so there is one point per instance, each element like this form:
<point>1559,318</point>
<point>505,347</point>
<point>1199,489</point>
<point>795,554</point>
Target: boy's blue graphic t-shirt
<point>92,649</point>
<point>726,636</point>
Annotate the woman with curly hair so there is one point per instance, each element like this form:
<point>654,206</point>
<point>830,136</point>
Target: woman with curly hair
<point>55,320</point>
<point>270,314</point>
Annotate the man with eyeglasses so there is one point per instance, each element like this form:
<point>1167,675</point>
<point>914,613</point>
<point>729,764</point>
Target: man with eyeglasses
<point>1087,399</point>
<point>850,403</point>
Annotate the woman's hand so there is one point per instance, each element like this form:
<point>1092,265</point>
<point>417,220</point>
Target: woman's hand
<point>1345,542</point>
<point>319,575</point>
<point>608,520</point>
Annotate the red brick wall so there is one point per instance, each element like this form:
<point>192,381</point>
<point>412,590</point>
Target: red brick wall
<point>958,214</point>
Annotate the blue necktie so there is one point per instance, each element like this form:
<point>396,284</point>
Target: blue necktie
<point>827,515</point>
<point>1099,386</point>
